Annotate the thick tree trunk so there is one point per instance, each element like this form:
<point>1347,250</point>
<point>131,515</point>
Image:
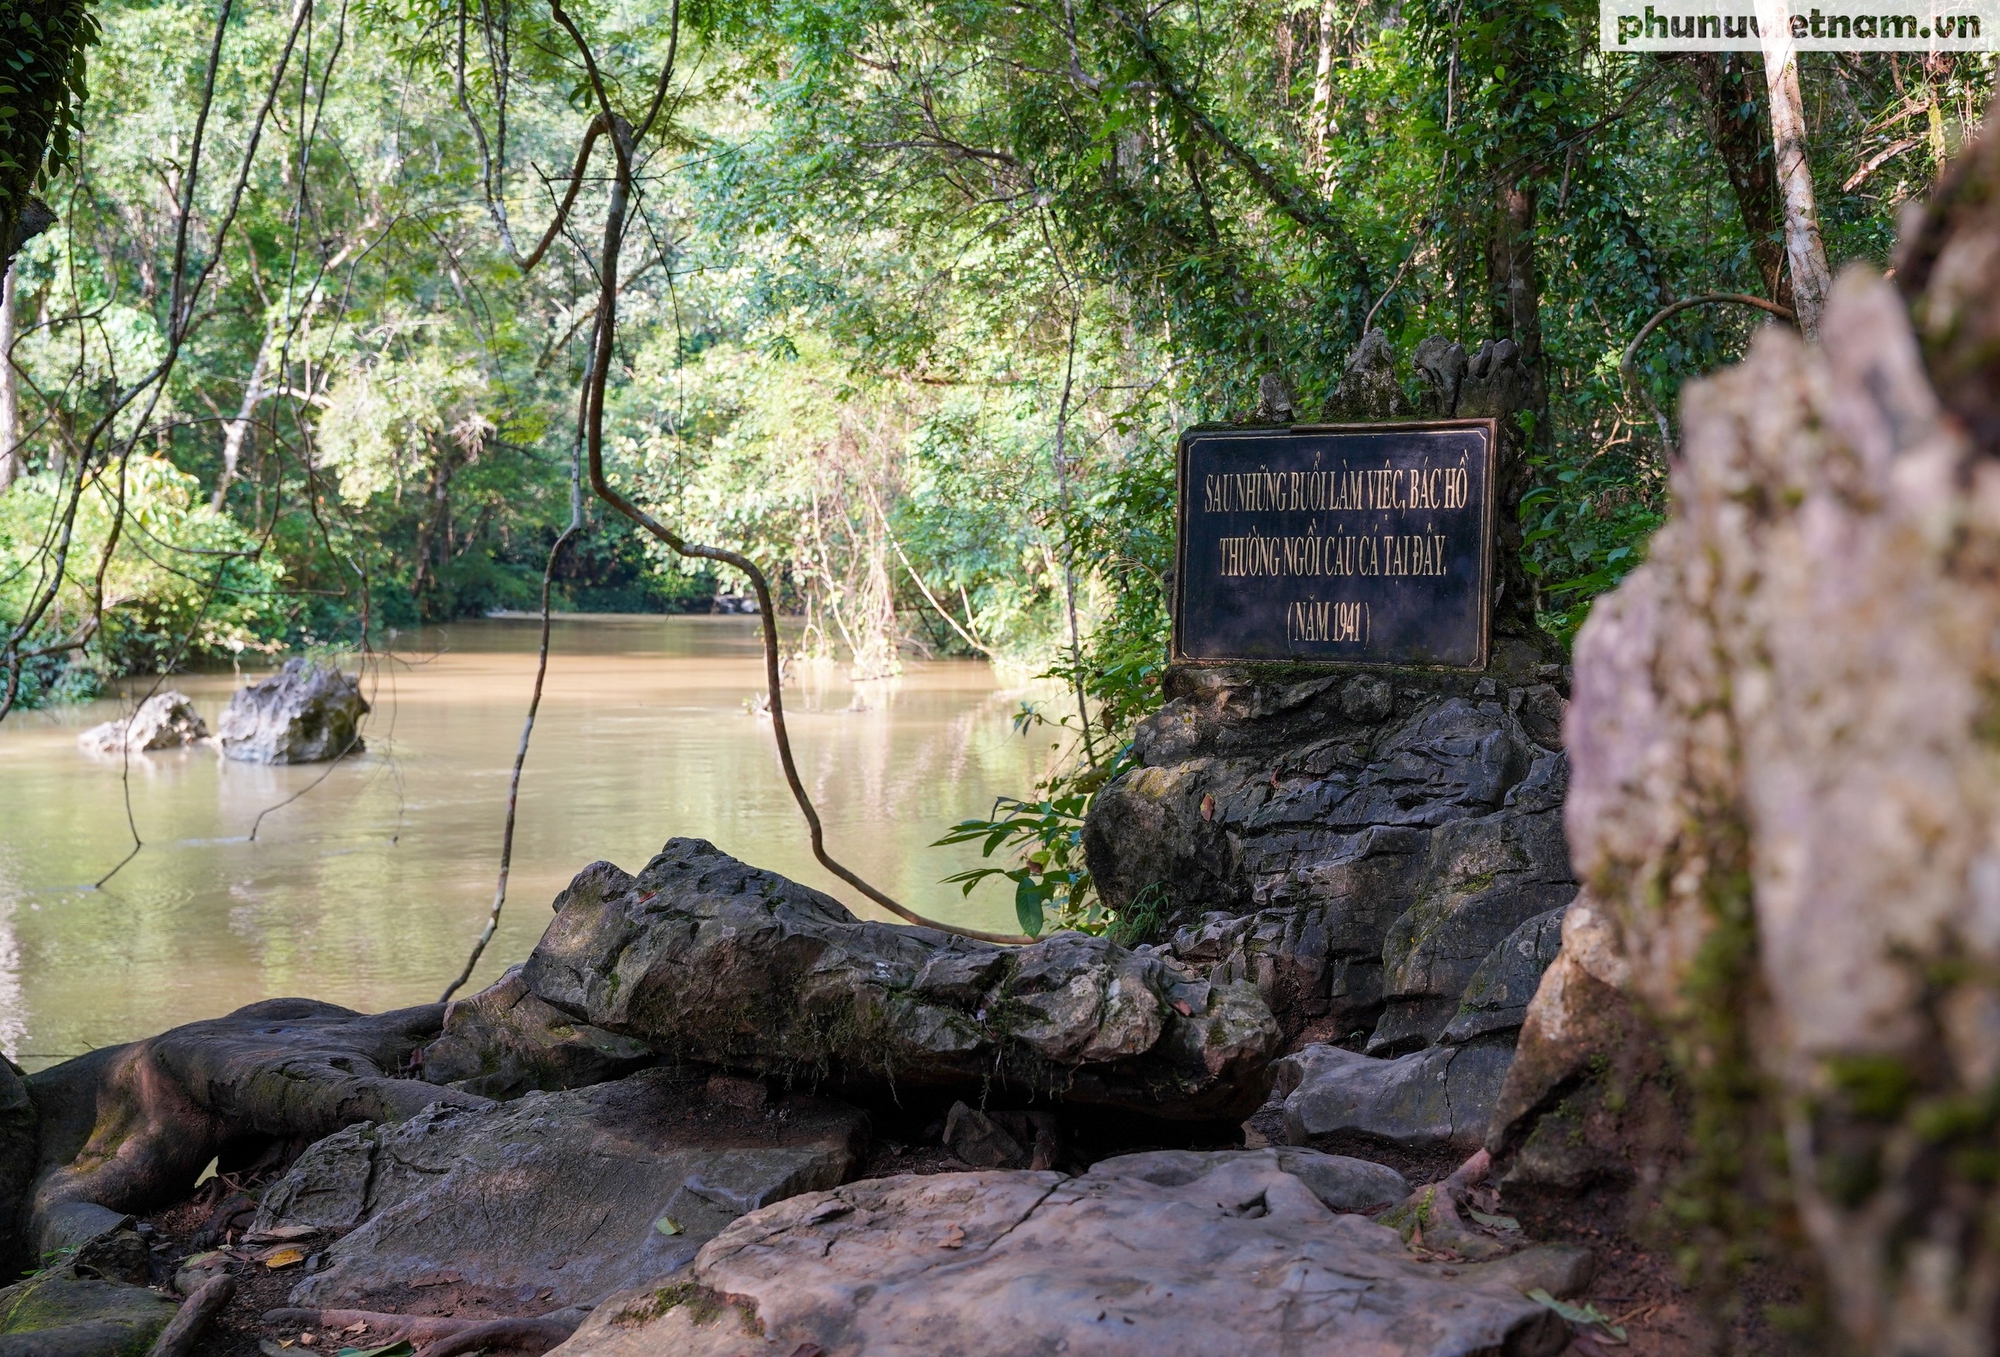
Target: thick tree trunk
<point>1729,98</point>
<point>1515,284</point>
<point>10,399</point>
<point>1805,253</point>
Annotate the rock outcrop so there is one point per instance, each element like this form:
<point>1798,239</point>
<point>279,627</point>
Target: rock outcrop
<point>163,721</point>
<point>1786,801</point>
<point>1380,853</point>
<point>58,1314</point>
<point>504,1041</point>
<point>1435,1099</point>
<point>549,1201</point>
<point>1354,844</point>
<point>1144,1256</point>
<point>304,713</point>
<point>704,958</point>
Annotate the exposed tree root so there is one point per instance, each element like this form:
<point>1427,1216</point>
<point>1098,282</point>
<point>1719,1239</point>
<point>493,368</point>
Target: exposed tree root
<point>131,1127</point>
<point>182,1331</point>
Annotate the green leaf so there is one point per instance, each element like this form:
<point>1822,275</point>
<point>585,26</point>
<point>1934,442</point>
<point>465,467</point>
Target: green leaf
<point>400,1348</point>
<point>1028,906</point>
<point>1586,1314</point>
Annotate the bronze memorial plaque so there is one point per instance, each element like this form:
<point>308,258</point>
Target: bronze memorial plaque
<point>1368,544</point>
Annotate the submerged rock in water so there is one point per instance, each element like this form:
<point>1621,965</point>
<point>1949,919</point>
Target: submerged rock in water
<point>163,721</point>
<point>552,1200</point>
<point>1222,1253</point>
<point>705,958</point>
<point>304,713</point>
<point>58,1314</point>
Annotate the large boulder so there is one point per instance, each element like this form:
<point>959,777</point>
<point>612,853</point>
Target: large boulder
<point>163,721</point>
<point>1354,845</point>
<point>305,713</point>
<point>551,1200</point>
<point>58,1314</point>
<point>1190,1256</point>
<point>704,958</point>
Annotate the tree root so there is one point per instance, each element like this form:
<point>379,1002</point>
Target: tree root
<point>522,1335</point>
<point>131,1127</point>
<point>178,1338</point>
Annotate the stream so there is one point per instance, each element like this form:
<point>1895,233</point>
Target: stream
<point>369,889</point>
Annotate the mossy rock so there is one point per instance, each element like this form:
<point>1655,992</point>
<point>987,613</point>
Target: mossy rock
<point>60,1315</point>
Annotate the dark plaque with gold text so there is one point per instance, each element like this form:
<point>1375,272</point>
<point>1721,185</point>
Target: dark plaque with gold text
<point>1368,544</point>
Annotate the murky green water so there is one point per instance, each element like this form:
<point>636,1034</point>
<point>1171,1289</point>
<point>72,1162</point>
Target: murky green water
<point>368,890</point>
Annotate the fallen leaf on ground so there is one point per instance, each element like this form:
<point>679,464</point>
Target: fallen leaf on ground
<point>358,1326</point>
<point>1494,1222</point>
<point>284,1257</point>
<point>954,1238</point>
<point>666,1225</point>
<point>281,1234</point>
<point>1208,806</point>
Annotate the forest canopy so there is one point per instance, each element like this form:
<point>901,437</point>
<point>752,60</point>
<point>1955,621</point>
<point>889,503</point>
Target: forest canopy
<point>912,300</point>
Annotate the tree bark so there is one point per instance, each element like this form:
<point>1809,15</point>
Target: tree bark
<point>1805,253</point>
<point>10,398</point>
<point>237,430</point>
<point>1730,101</point>
<point>1322,100</point>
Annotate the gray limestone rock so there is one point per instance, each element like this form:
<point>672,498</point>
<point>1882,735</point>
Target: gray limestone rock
<point>60,1315</point>
<point>1430,1099</point>
<point>1243,1257</point>
<point>304,713</point>
<point>1496,998</point>
<point>705,958</point>
<point>1344,1184</point>
<point>163,721</point>
<point>1352,846</point>
<point>503,1042</point>
<point>553,1199</point>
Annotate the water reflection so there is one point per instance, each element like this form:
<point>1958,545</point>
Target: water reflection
<point>367,889</point>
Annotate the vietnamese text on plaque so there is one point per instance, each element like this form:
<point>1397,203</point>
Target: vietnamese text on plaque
<point>1369,545</point>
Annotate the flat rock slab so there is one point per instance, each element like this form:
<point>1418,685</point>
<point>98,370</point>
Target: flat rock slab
<point>59,1315</point>
<point>705,958</point>
<point>1432,1099</point>
<point>1243,1258</point>
<point>551,1200</point>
